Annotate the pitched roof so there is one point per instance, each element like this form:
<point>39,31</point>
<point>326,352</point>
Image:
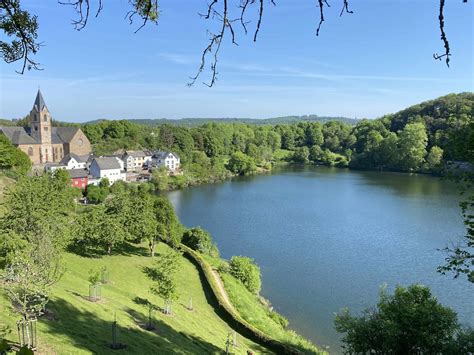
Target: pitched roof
<point>135,153</point>
<point>107,163</point>
<point>162,155</point>
<point>78,158</point>
<point>18,135</point>
<point>65,134</point>
<point>78,173</point>
<point>39,102</point>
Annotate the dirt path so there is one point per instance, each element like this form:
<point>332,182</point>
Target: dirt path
<point>222,290</point>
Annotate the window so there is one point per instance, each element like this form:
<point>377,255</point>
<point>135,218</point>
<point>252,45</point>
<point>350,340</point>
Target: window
<point>45,118</point>
<point>30,151</point>
<point>36,128</point>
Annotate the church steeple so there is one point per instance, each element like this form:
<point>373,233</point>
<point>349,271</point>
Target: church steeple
<point>40,120</point>
<point>39,102</point>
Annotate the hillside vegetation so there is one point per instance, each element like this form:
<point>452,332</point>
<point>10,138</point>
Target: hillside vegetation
<point>73,324</point>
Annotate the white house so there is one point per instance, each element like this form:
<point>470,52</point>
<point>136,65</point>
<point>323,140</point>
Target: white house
<point>74,161</point>
<point>166,159</point>
<point>106,167</point>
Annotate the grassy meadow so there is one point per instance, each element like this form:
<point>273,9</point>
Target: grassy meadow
<point>74,325</point>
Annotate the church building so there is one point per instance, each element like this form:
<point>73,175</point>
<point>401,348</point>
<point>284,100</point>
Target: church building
<point>44,143</point>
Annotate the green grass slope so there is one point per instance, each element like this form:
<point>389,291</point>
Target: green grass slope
<point>74,325</point>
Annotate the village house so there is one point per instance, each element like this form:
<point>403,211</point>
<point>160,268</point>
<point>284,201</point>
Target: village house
<point>44,143</point>
<point>169,160</point>
<point>111,168</point>
<point>74,161</point>
<point>134,159</point>
<point>79,178</point>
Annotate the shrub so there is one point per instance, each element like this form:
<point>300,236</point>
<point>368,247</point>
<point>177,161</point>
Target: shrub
<point>200,240</point>
<point>244,269</point>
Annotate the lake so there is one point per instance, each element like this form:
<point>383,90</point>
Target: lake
<point>328,238</point>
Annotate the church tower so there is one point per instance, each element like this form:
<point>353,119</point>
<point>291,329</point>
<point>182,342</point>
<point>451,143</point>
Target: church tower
<point>40,118</point>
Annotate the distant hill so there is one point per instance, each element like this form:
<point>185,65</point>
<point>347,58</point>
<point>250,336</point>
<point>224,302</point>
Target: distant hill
<point>193,122</point>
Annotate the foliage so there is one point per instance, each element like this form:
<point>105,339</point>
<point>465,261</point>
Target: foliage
<point>244,269</point>
<point>38,210</point>
<point>163,274</point>
<point>301,155</point>
<point>94,277</point>
<point>168,228</point>
<point>99,227</point>
<point>241,164</point>
<point>200,240</point>
<point>412,144</point>
<point>28,277</point>
<point>74,326</point>
<point>12,158</point>
<point>96,194</point>
<point>460,258</point>
<point>411,321</point>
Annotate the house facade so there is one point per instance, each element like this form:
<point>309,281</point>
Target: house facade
<point>44,143</point>
<point>133,159</point>
<point>79,178</point>
<point>74,161</point>
<point>106,167</point>
<point>169,160</point>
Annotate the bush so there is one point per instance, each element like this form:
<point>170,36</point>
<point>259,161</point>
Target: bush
<point>244,269</point>
<point>409,321</point>
<point>241,164</point>
<point>96,194</point>
<point>200,240</point>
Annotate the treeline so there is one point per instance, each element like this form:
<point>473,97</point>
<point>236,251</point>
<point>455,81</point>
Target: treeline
<point>419,138</point>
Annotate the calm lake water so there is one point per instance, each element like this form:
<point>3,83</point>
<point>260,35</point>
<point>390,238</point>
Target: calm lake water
<point>329,238</point>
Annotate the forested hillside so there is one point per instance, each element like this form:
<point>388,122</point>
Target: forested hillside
<point>419,138</point>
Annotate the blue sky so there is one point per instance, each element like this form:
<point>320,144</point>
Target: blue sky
<point>375,61</point>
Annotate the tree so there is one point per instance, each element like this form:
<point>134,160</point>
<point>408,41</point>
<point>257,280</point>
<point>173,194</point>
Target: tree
<point>163,274</point>
<point>168,228</point>
<point>100,227</point>
<point>22,27</point>
<point>29,275</point>
<point>244,269</point>
<point>161,179</point>
<point>140,221</point>
<point>301,155</point>
<point>96,194</point>
<point>412,142</point>
<point>434,157</point>
<point>12,158</point>
<point>411,321</point>
<point>241,164</point>
<point>200,240</point>
<point>39,210</point>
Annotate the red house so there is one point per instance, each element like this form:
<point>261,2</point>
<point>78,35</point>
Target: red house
<point>79,178</point>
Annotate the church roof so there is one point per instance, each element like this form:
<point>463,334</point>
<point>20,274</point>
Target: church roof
<point>19,135</point>
<point>63,134</point>
<point>39,102</point>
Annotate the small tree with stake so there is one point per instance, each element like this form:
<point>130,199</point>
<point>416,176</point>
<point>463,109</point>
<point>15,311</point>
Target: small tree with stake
<point>163,274</point>
<point>94,285</point>
<point>26,282</point>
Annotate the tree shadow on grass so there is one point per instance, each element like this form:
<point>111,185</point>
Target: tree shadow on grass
<point>125,249</point>
<point>84,330</point>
